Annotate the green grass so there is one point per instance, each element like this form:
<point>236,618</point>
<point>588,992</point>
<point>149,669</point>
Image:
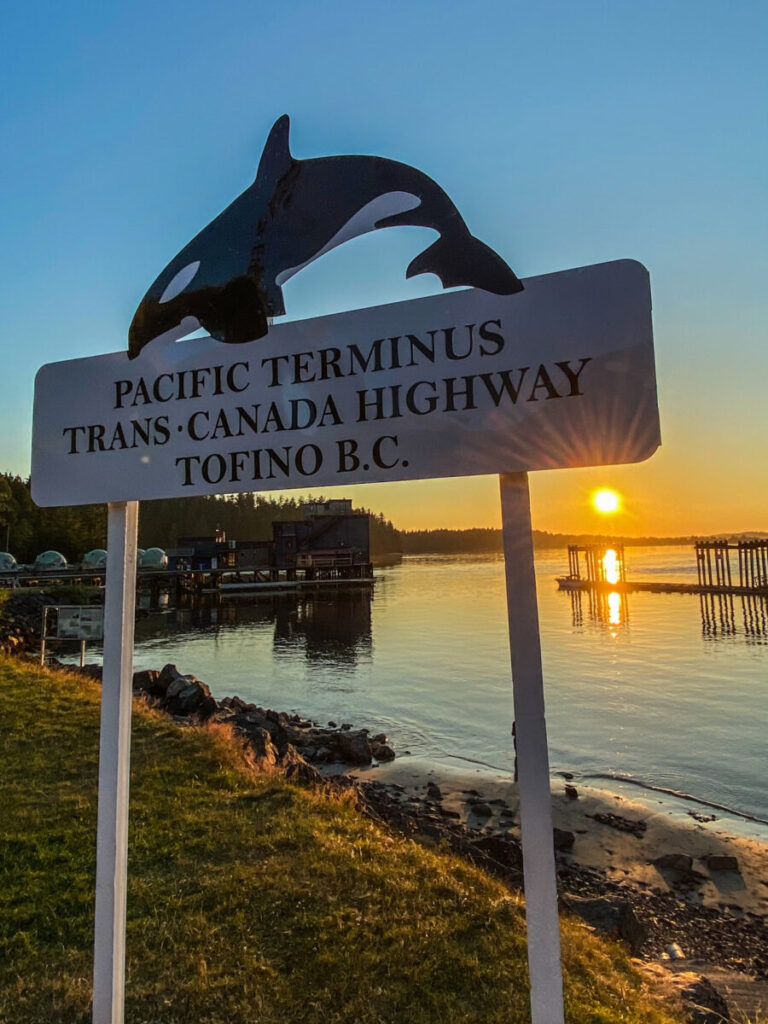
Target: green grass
<point>250,900</point>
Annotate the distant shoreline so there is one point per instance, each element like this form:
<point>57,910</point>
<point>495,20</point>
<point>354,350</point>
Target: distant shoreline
<point>489,541</point>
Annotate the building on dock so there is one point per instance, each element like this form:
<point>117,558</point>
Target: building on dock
<point>331,536</point>
<point>329,544</point>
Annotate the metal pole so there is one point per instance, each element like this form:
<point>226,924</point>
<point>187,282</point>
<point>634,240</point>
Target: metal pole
<point>42,635</point>
<point>540,879</point>
<point>114,765</point>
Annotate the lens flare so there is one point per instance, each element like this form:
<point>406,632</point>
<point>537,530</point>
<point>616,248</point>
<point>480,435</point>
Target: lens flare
<point>606,501</point>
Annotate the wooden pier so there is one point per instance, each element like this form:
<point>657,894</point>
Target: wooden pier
<point>199,581</point>
<point>739,569</point>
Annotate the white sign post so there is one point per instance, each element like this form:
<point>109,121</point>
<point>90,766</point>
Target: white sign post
<point>114,765</point>
<point>464,383</point>
<point>539,873</point>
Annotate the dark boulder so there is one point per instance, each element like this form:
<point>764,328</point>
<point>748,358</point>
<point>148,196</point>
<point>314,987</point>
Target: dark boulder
<point>382,751</point>
<point>679,862</point>
<point>260,743</point>
<point>188,695</point>
<point>168,674</point>
<point>298,770</point>
<point>353,747</point>
<point>610,916</point>
<point>145,681</point>
<point>721,862</point>
<point>704,1004</point>
<point>502,850</point>
<point>563,839</point>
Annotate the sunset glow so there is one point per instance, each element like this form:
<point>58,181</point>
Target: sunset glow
<point>606,501</point>
<point>611,566</point>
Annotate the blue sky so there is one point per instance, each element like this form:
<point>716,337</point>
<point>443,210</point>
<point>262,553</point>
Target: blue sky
<point>566,134</point>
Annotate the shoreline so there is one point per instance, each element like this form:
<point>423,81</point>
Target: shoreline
<point>624,854</point>
<point>637,875</point>
<point>695,869</point>
<point>684,895</point>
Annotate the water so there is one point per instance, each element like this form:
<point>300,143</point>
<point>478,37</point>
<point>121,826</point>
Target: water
<point>660,689</point>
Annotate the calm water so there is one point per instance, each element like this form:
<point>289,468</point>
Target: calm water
<point>657,688</point>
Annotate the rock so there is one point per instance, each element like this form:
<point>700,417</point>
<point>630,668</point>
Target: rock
<point>331,725</point>
<point>680,862</point>
<point>610,916</point>
<point>721,862</point>
<point>297,770</point>
<point>260,742</point>
<point>382,751</point>
<point>145,680</point>
<point>353,747</point>
<point>94,672</point>
<point>185,696</point>
<point>633,826</point>
<point>380,737</point>
<point>704,1004</point>
<point>481,809</point>
<point>674,952</point>
<point>208,707</point>
<point>501,849</point>
<point>563,839</point>
<point>237,704</point>
<point>433,791</point>
<point>572,793</point>
<point>168,674</point>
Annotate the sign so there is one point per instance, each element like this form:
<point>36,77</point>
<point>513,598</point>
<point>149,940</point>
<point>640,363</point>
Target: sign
<point>558,375</point>
<point>503,377</point>
<point>80,622</point>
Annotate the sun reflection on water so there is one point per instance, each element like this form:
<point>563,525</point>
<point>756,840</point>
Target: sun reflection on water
<point>611,566</point>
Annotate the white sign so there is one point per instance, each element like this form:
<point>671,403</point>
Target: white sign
<point>459,384</point>
<point>80,622</point>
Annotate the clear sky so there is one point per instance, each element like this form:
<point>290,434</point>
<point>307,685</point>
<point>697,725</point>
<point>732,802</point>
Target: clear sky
<point>566,133</point>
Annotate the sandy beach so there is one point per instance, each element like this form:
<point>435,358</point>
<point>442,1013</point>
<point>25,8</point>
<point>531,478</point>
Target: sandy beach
<point>623,856</point>
<point>698,895</point>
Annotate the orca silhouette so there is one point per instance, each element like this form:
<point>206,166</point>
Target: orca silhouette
<point>229,277</point>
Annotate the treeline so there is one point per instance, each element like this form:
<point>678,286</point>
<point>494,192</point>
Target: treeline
<point>26,530</point>
<point>489,541</point>
<point>73,530</point>
<point>465,542</point>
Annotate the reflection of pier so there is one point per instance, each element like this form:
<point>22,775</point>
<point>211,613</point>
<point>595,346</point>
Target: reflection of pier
<point>327,626</point>
<point>608,607</point>
<point>720,619</point>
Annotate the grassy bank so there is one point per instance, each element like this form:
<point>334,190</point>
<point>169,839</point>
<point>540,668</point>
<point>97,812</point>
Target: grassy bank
<point>250,900</point>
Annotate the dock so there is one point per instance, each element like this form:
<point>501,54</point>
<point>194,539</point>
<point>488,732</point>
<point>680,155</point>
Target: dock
<point>723,568</point>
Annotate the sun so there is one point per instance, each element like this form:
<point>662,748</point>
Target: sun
<point>606,501</point>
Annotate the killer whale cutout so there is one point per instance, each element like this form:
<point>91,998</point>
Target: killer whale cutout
<point>294,212</point>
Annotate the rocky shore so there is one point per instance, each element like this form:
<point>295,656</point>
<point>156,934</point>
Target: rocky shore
<point>690,901</point>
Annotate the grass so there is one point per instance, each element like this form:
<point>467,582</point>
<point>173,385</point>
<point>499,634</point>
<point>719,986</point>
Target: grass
<point>250,900</point>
